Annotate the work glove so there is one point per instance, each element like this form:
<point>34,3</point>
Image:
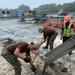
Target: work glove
<point>26,60</point>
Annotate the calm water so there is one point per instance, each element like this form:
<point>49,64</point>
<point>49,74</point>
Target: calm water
<point>12,28</point>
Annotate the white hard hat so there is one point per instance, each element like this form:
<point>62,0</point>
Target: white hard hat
<point>40,28</point>
<point>36,44</point>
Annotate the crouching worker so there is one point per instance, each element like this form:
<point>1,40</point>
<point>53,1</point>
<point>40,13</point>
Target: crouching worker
<point>14,51</point>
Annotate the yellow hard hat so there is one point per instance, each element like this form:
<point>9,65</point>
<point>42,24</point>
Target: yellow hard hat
<point>67,18</point>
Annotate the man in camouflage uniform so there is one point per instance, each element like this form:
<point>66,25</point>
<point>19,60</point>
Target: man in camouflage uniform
<point>13,51</point>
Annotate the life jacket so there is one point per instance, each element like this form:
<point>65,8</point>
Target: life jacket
<point>67,31</point>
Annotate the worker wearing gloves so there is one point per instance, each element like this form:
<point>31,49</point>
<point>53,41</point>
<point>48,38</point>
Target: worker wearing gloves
<point>67,29</point>
<point>49,34</point>
<point>14,51</point>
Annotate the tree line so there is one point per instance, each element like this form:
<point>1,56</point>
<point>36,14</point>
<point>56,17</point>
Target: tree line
<point>68,7</point>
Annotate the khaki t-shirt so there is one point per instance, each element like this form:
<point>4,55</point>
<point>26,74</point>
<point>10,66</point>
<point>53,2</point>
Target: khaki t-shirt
<point>21,45</point>
<point>48,32</point>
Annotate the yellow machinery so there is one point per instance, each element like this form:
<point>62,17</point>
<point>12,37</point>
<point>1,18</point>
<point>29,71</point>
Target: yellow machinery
<point>27,14</point>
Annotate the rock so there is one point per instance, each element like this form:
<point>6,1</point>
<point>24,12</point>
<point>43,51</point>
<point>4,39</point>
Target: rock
<point>7,69</point>
<point>37,60</point>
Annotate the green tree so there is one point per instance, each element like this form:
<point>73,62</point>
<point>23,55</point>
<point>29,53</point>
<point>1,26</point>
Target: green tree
<point>69,7</point>
<point>59,7</point>
<point>44,7</point>
<point>51,7</point>
<point>24,7</point>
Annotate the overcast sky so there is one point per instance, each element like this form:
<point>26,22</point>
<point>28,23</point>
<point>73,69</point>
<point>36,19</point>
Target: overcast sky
<point>31,3</point>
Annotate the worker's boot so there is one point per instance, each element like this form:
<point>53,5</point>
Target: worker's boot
<point>70,53</point>
<point>45,47</point>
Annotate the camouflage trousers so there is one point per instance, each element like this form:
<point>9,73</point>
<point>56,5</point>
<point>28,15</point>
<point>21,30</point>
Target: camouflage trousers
<point>13,60</point>
<point>50,40</point>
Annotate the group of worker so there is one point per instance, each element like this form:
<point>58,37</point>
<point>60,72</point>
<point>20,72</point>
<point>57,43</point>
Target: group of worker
<point>14,51</point>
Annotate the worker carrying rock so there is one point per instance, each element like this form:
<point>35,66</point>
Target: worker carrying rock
<point>14,51</point>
